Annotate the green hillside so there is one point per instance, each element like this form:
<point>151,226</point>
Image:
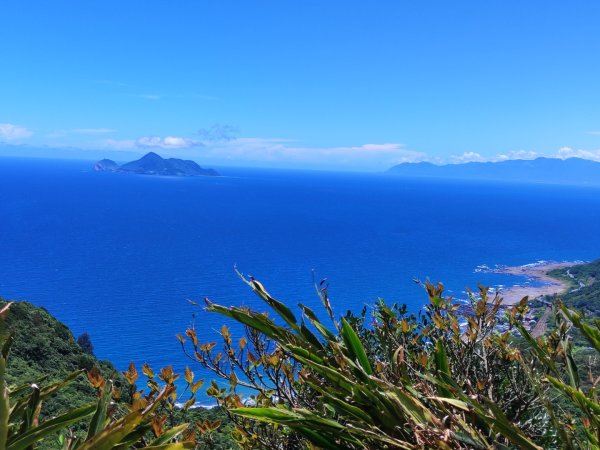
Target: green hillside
<point>45,347</point>
<point>584,292</point>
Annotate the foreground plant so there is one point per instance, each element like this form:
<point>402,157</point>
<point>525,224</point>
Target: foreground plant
<point>576,417</point>
<point>22,426</point>
<point>400,381</point>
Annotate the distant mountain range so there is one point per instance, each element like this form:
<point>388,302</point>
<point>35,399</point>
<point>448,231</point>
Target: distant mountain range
<point>540,170</point>
<point>153,164</point>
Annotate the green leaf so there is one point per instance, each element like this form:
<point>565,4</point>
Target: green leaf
<point>173,446</point>
<point>441,363</point>
<point>50,427</point>
<point>411,406</point>
<point>276,415</point>
<point>309,313</point>
<point>589,406</point>
<point>590,333</point>
<point>571,365</point>
<point>345,408</point>
<point>322,441</point>
<point>310,337</point>
<point>355,347</point>
<point>453,402</point>
<point>134,437</point>
<point>283,416</point>
<point>99,418</point>
<point>441,359</point>
<point>113,434</point>
<point>170,434</point>
<point>4,404</point>
<point>19,408</point>
<point>279,307</point>
<point>332,375</point>
<point>502,425</point>
<point>542,354</point>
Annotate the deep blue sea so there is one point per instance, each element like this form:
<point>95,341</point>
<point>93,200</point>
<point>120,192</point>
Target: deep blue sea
<point>118,255</point>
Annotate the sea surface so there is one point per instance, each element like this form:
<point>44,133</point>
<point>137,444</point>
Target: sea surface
<point>119,255</point>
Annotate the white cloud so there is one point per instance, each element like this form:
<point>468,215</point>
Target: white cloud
<point>517,154</point>
<point>285,153</point>
<point>172,142</point>
<point>11,132</point>
<point>169,142</point>
<point>561,153</point>
<point>467,157</point>
<point>567,152</point>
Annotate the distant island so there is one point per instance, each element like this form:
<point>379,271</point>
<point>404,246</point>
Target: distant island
<point>540,170</point>
<point>153,164</point>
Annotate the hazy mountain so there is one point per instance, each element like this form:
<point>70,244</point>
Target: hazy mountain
<point>540,170</point>
<point>153,164</point>
<point>106,165</point>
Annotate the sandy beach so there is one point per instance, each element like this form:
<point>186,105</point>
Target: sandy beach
<point>536,272</point>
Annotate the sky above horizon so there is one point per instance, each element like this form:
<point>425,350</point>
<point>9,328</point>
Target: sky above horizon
<point>342,85</point>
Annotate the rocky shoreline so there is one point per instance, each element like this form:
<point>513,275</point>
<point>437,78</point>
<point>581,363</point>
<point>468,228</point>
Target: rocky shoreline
<point>538,272</point>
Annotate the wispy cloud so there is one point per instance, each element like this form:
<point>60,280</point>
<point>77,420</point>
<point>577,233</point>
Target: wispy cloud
<point>149,96</point>
<point>594,133</point>
<point>152,97</point>
<point>145,92</point>
<point>211,98</point>
<point>218,133</point>
<point>174,96</point>
<point>12,133</point>
<point>282,152</point>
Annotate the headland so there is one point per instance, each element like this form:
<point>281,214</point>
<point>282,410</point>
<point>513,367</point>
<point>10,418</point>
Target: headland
<point>538,273</point>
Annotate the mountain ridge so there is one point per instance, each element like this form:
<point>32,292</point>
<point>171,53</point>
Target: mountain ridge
<point>540,170</point>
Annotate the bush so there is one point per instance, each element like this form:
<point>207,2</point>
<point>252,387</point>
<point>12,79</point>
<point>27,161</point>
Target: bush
<point>401,380</point>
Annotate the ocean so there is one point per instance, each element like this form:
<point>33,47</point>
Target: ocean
<point>119,255</point>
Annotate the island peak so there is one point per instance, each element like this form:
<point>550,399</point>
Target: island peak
<point>154,164</point>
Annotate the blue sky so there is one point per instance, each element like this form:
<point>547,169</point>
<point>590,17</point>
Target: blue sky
<point>315,84</point>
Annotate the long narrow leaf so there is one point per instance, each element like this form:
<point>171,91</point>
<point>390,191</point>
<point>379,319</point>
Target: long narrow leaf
<point>169,434</point>
<point>50,427</point>
<point>355,347</point>
<point>590,333</point>
<point>99,418</point>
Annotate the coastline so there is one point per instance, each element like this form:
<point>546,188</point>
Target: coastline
<point>537,272</point>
